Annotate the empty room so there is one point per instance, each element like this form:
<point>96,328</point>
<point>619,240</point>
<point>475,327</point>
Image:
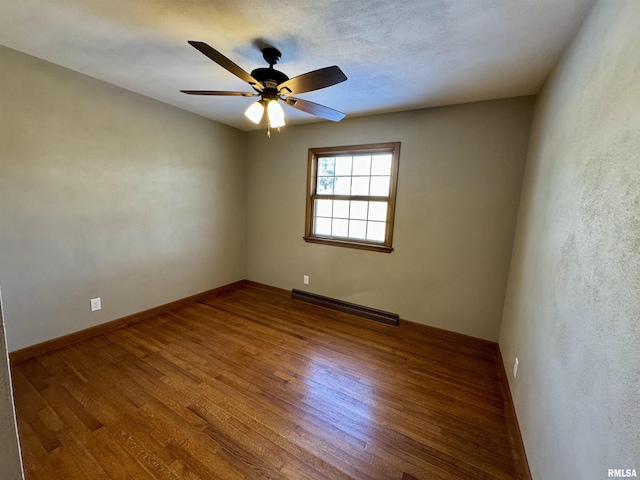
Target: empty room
<point>320,240</point>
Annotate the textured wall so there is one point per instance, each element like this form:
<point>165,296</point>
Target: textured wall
<point>572,312</point>
<point>10,464</point>
<point>106,193</point>
<point>459,184</point>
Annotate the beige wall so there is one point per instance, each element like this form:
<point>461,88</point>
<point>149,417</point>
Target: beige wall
<point>572,312</point>
<point>106,193</point>
<point>10,463</point>
<point>461,169</point>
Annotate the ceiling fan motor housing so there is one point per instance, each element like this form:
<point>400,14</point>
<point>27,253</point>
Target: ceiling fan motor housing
<point>269,77</point>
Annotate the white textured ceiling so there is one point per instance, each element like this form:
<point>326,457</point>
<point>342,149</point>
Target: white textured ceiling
<point>397,55</point>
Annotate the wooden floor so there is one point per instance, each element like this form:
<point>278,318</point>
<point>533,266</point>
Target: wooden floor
<point>251,384</point>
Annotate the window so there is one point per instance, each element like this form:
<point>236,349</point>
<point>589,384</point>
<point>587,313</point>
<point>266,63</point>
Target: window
<point>351,196</point>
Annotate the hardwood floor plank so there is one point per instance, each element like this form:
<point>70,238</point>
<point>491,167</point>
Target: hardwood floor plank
<point>30,406</point>
<point>251,384</point>
<point>200,468</point>
<point>34,456</point>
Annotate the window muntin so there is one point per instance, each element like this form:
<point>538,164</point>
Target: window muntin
<point>351,195</point>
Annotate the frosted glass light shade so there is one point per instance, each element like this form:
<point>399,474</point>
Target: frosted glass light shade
<point>255,112</point>
<point>275,114</point>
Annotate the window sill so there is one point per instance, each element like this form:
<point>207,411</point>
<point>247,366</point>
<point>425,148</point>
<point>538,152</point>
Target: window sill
<point>349,244</point>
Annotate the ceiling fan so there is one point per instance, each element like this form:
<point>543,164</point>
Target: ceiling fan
<point>273,86</point>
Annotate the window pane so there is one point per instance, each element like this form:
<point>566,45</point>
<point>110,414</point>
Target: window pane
<point>325,167</point>
<point>324,208</point>
<point>362,165</point>
<point>358,210</point>
<point>343,166</point>
<point>342,186</point>
<point>325,185</point>
<point>357,229</point>
<point>322,226</point>
<point>378,211</point>
<point>380,186</point>
<point>376,231</point>
<point>341,208</point>
<point>360,185</point>
<point>340,227</point>
<point>349,195</point>
<point>381,164</point>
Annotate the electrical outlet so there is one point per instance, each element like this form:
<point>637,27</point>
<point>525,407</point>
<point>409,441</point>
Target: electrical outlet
<point>305,279</point>
<point>96,304</point>
<point>515,368</point>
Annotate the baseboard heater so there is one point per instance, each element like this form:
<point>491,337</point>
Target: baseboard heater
<point>342,306</point>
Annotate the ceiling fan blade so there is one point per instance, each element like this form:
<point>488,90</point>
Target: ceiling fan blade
<point>227,64</point>
<point>215,92</point>
<point>315,109</point>
<point>307,82</point>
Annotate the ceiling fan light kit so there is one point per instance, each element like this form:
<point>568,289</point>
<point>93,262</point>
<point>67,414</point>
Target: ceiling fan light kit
<point>272,86</point>
<point>275,114</point>
<point>255,112</point>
